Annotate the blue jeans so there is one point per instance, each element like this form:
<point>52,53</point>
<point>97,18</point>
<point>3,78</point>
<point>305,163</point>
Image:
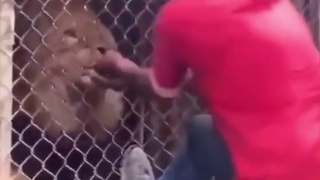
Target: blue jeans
<point>204,156</point>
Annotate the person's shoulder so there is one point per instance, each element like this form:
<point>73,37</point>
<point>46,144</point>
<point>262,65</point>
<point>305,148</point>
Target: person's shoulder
<point>171,11</point>
<point>177,10</point>
<point>173,16</point>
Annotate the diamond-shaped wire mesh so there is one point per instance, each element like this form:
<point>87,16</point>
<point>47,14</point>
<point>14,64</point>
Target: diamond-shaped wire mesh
<point>45,31</point>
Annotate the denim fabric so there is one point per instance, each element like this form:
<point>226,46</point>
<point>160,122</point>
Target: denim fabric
<point>205,155</point>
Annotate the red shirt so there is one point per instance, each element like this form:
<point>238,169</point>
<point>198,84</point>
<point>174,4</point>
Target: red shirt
<point>255,64</point>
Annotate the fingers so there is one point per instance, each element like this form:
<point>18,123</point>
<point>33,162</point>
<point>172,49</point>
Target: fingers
<point>92,78</point>
<point>109,64</point>
<point>110,58</point>
<point>114,63</point>
<point>113,55</point>
<point>110,71</point>
<point>115,84</point>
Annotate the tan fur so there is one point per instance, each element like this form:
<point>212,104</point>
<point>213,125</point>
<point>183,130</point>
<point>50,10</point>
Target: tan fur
<point>19,176</point>
<point>56,17</point>
<point>70,43</point>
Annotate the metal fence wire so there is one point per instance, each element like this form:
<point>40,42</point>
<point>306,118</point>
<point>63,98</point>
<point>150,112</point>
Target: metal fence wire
<point>42,134</point>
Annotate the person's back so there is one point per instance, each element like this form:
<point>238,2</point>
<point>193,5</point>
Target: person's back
<point>258,70</point>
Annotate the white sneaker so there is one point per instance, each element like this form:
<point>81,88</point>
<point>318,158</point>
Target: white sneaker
<point>135,165</point>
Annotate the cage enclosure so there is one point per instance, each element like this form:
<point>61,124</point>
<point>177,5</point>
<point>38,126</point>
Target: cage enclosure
<point>44,30</point>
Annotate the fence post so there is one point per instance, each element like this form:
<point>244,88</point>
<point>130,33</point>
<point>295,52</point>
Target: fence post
<point>7,17</point>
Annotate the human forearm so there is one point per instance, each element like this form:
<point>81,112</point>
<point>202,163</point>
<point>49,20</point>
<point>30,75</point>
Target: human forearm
<point>138,81</point>
<point>116,71</point>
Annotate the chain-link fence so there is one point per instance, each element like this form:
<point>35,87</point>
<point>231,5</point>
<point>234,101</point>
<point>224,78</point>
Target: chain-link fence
<point>37,144</point>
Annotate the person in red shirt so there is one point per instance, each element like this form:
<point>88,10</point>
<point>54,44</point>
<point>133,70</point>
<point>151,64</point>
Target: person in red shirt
<point>257,69</point>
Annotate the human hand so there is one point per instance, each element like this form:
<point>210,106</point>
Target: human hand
<point>108,72</point>
<point>92,79</point>
<point>114,64</point>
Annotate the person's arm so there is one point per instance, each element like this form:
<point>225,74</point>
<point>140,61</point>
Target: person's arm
<point>168,70</point>
<point>116,72</point>
<point>137,79</point>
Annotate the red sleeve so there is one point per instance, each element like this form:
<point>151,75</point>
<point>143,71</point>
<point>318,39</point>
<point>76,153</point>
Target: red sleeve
<point>168,69</point>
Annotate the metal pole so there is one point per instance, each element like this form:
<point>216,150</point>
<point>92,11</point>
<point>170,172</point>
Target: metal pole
<point>7,18</point>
